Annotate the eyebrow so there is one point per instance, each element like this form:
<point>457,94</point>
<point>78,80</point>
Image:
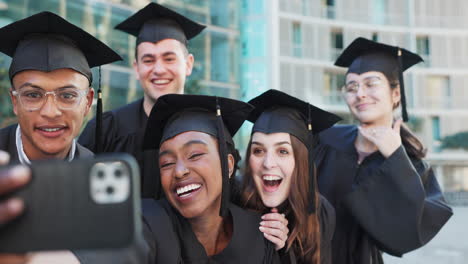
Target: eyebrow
<point>28,84</point>
<point>276,144</point>
<point>168,53</point>
<point>152,56</point>
<point>187,144</point>
<point>365,79</point>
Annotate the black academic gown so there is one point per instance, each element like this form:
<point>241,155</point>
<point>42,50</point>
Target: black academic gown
<point>171,239</point>
<point>393,205</point>
<point>327,220</point>
<point>123,130</point>
<point>8,144</point>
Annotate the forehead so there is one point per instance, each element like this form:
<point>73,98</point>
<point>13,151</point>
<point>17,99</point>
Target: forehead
<point>271,138</point>
<point>52,79</point>
<point>180,140</point>
<point>363,76</point>
<point>162,46</point>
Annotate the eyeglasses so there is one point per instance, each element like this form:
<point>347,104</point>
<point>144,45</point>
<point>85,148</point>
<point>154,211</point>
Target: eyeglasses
<point>33,99</point>
<point>370,84</point>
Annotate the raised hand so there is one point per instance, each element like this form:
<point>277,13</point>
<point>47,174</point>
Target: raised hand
<point>386,139</point>
<point>275,228</point>
<point>10,180</point>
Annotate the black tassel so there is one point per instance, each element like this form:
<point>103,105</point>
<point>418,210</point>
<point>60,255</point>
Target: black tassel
<point>225,193</point>
<point>404,113</point>
<point>311,208</point>
<point>98,145</point>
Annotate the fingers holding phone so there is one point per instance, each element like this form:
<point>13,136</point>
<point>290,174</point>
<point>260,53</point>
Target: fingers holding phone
<point>10,180</point>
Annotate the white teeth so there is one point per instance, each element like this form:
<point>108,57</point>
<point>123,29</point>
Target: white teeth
<point>160,81</point>
<point>50,129</point>
<point>271,178</point>
<point>187,188</point>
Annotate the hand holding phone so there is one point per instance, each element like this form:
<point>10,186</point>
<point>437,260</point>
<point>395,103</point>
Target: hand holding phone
<point>84,204</point>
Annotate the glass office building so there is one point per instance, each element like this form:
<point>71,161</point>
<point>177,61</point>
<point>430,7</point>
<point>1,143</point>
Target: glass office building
<point>216,50</point>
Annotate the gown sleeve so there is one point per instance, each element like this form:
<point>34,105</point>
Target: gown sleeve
<point>109,133</point>
<point>136,253</point>
<point>327,219</point>
<point>400,204</point>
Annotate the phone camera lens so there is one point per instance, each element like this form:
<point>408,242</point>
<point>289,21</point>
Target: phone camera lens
<point>110,190</point>
<point>118,173</point>
<point>100,174</point>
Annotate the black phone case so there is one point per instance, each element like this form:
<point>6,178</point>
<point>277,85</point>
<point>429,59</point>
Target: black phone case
<point>60,213</point>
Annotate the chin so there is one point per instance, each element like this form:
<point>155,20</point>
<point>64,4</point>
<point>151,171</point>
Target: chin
<point>271,203</point>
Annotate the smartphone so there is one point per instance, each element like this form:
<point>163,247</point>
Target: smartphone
<point>84,204</point>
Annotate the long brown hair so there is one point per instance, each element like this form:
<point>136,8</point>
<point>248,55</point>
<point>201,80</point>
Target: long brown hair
<point>413,146</point>
<point>304,238</point>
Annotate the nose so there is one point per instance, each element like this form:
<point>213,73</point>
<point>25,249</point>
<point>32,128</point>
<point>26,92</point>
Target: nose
<point>159,67</point>
<point>181,170</point>
<point>361,91</point>
<point>269,161</point>
<point>50,108</point>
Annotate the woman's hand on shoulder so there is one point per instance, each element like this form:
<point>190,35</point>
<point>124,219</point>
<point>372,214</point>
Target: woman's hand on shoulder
<point>386,139</point>
<point>274,227</point>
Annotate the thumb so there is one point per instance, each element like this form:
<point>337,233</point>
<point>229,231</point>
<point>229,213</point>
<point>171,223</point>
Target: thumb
<point>274,210</point>
<point>397,125</point>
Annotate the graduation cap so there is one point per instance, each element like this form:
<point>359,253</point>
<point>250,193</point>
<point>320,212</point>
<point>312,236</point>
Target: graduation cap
<point>155,22</point>
<point>47,42</point>
<point>217,116</point>
<point>364,55</point>
<point>277,112</point>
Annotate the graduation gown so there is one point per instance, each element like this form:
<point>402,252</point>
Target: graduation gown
<point>171,239</point>
<point>123,130</point>
<point>327,220</point>
<point>392,204</point>
<point>8,144</point>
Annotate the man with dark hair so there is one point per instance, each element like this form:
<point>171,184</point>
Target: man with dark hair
<point>51,94</point>
<point>162,63</point>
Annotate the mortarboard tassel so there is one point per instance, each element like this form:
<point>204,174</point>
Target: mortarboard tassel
<point>311,209</point>
<point>225,192</point>
<point>98,146</point>
<point>404,113</point>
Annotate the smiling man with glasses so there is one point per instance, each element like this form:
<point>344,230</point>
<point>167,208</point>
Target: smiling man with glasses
<point>51,91</point>
<point>48,125</point>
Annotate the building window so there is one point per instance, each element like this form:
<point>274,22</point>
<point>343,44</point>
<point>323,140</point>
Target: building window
<point>297,39</point>
<point>328,7</point>
<point>332,88</point>
<point>438,93</point>
<point>423,49</point>
<point>336,43</point>
<point>436,133</point>
<point>379,12</point>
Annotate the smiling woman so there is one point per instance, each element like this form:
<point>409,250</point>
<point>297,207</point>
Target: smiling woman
<point>280,175</point>
<point>195,222</point>
<point>386,196</point>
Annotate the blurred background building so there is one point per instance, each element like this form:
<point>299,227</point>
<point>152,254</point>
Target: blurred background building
<point>217,59</point>
<point>250,46</point>
<point>291,45</point>
<point>295,43</point>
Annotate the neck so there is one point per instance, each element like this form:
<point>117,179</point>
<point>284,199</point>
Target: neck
<point>148,104</point>
<point>386,121</point>
<point>212,232</point>
<point>364,145</point>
